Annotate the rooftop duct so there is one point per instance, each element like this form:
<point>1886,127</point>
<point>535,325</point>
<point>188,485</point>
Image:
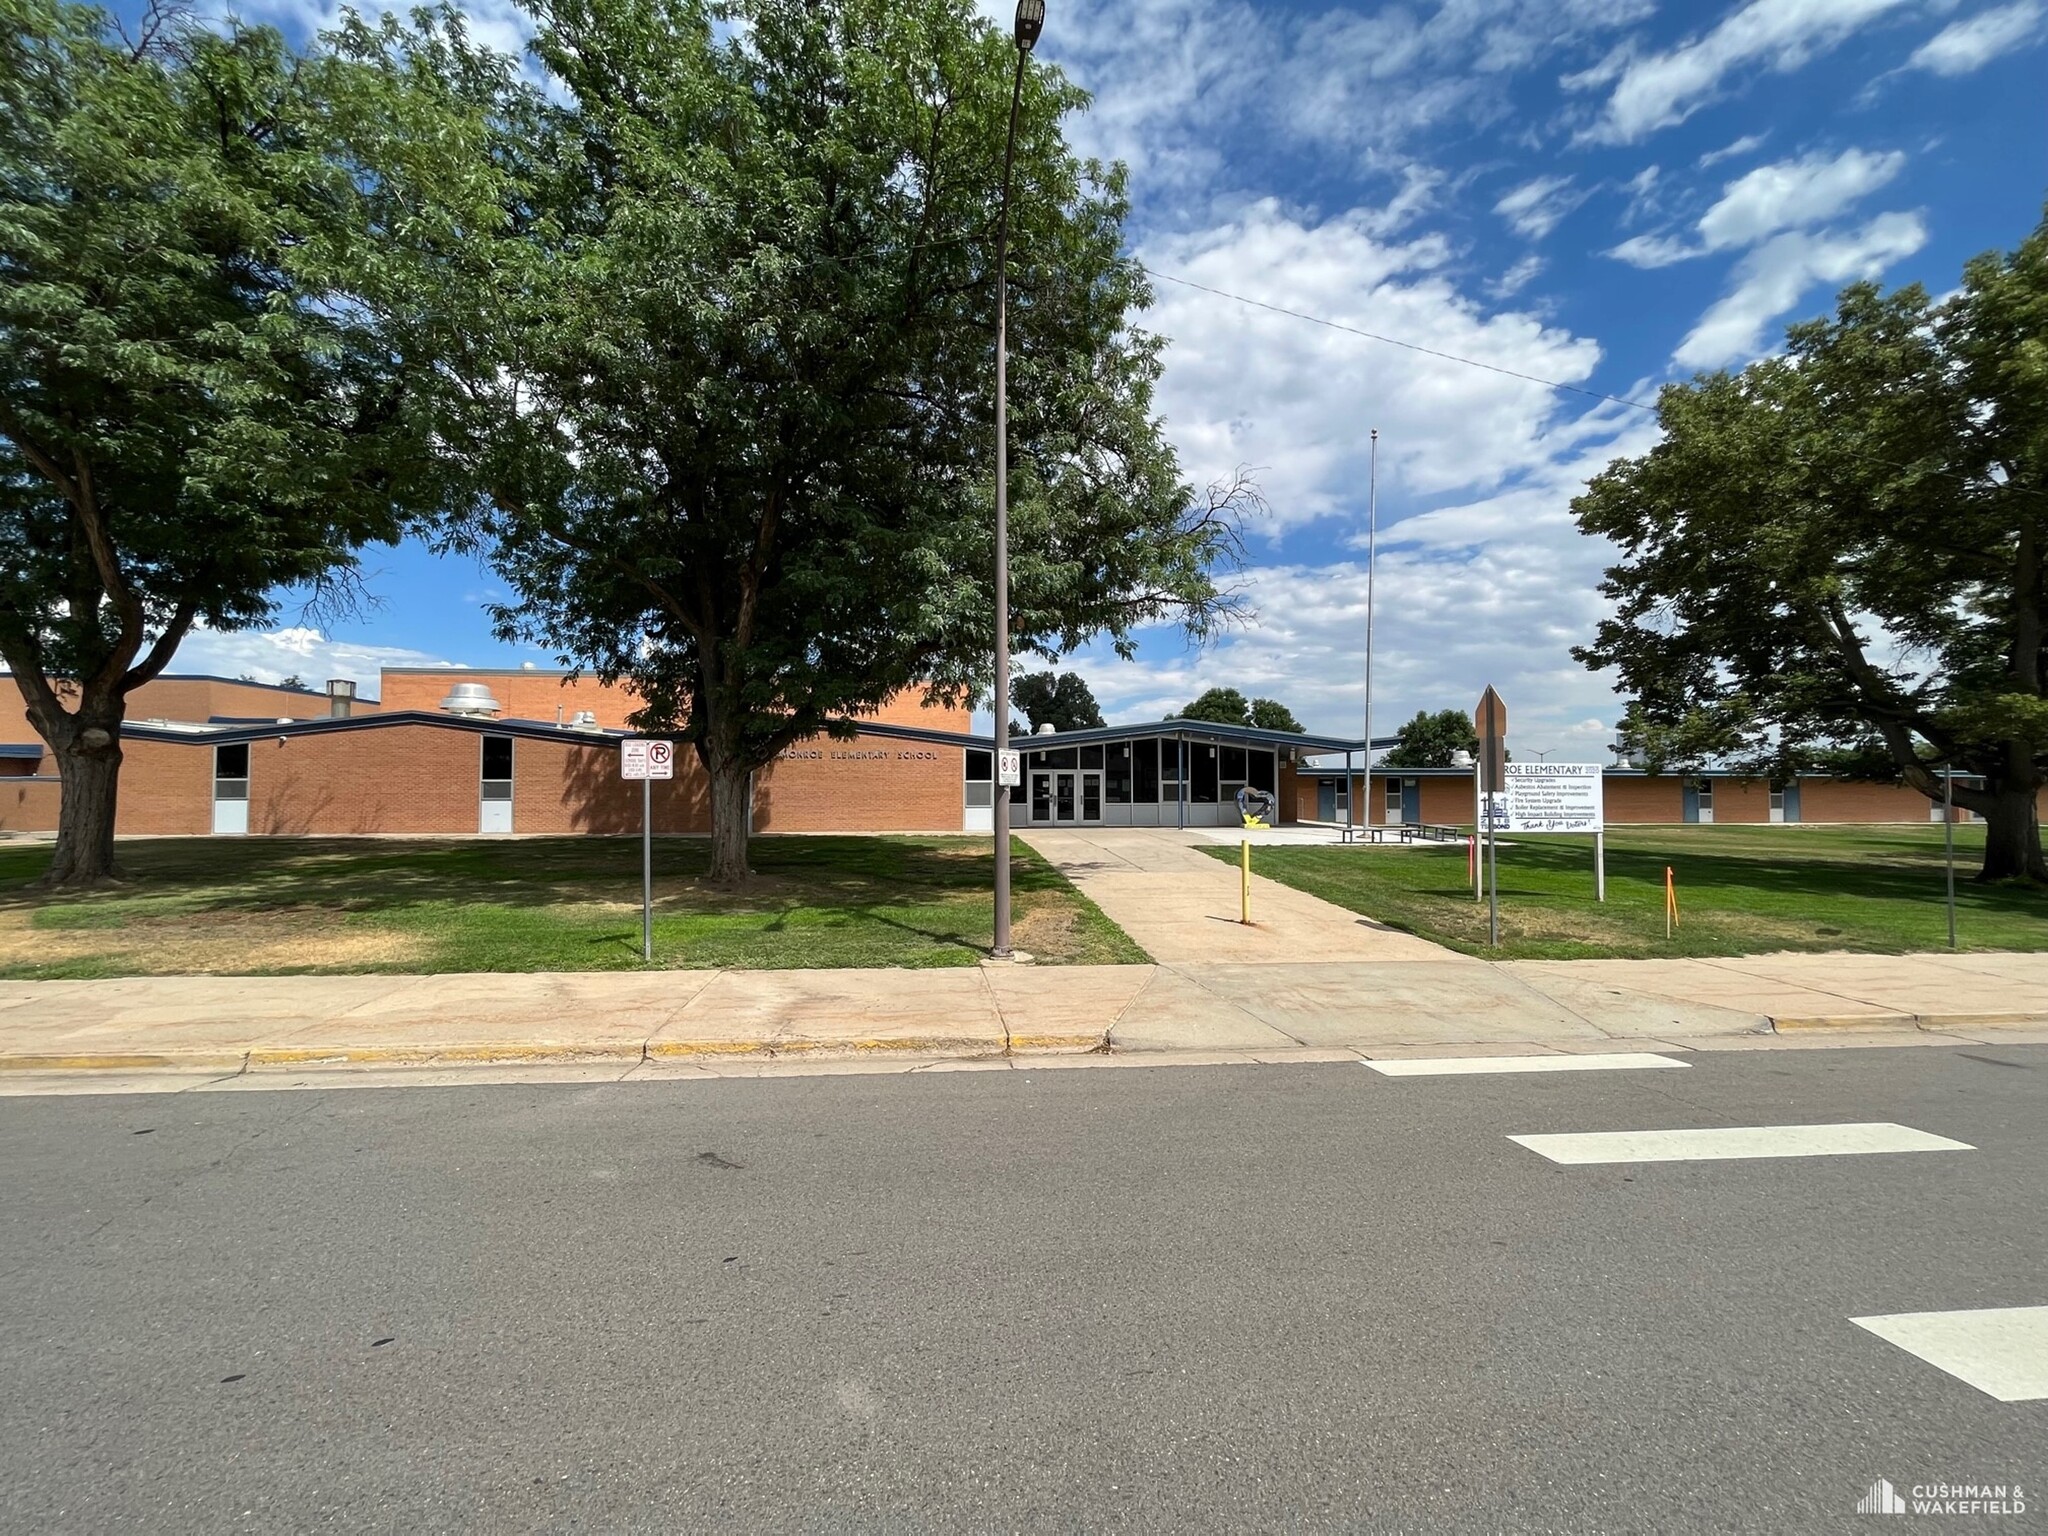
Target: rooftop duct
<point>473,699</point>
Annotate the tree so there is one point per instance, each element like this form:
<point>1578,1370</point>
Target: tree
<point>1223,706</point>
<point>1272,715</point>
<point>1226,706</point>
<point>726,374</point>
<point>194,406</point>
<point>1060,700</point>
<point>1848,547</point>
<point>1430,740</point>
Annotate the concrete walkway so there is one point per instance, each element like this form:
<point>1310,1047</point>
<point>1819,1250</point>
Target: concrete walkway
<point>1182,905</point>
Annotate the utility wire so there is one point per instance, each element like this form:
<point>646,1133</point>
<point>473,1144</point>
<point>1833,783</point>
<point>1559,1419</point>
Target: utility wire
<point>1393,341</point>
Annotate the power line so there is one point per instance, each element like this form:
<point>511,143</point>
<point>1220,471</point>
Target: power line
<point>1393,341</point>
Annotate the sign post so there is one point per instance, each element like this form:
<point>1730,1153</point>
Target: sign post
<point>647,761</point>
<point>1490,719</point>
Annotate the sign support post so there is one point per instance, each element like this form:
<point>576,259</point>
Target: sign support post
<point>1600,865</point>
<point>1491,719</point>
<point>647,761</point>
<point>1948,839</point>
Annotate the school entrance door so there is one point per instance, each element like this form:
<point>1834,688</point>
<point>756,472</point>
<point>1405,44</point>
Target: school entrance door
<point>1066,797</point>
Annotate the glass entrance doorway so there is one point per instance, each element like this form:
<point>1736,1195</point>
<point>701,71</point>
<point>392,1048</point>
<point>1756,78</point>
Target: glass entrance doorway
<point>1066,797</point>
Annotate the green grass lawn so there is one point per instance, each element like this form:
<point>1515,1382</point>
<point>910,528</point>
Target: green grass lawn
<point>1741,891</point>
<point>272,906</point>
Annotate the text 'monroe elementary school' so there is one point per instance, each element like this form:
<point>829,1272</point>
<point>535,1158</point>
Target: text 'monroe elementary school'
<point>447,750</point>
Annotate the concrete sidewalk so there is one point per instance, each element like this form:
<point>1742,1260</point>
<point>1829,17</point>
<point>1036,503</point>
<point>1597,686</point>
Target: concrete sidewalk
<point>1225,1009</point>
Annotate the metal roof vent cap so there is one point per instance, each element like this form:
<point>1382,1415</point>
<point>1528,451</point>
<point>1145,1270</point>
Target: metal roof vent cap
<point>584,720</point>
<point>1047,729</point>
<point>470,699</point>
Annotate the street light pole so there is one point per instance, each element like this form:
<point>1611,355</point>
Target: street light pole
<point>1030,21</point>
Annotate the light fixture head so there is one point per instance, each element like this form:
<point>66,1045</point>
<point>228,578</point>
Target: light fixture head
<point>1030,22</point>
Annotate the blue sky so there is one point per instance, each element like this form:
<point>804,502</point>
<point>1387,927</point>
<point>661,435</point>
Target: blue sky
<point>1605,193</point>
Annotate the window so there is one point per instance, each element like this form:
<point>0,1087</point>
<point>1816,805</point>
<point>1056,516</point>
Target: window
<point>1091,757</point>
<point>1263,772</point>
<point>497,768</point>
<point>1777,800</point>
<point>1170,757</point>
<point>980,769</point>
<point>1145,772</point>
<point>1231,770</point>
<point>1116,783</point>
<point>1393,798</point>
<point>1091,797</point>
<point>1057,757</point>
<point>1706,794</point>
<point>1202,782</point>
<point>231,772</point>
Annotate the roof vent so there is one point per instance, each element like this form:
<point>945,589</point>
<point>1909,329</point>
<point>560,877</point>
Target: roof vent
<point>470,699</point>
<point>584,720</point>
<point>1047,729</point>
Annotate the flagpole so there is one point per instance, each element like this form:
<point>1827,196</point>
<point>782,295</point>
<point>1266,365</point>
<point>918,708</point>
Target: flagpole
<point>1372,530</point>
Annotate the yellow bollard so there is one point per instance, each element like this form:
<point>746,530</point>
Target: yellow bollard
<point>1244,881</point>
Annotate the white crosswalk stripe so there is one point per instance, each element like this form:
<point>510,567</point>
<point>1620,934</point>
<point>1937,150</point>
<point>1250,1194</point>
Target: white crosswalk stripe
<point>2002,1351</point>
<point>1458,1066</point>
<point>1717,1142</point>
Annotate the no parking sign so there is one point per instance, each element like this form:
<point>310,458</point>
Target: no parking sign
<point>647,759</point>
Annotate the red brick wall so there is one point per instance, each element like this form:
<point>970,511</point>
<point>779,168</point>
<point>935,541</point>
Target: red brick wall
<point>1739,801</point>
<point>201,698</point>
<point>410,778</point>
<point>28,805</point>
<point>1844,800</point>
<point>520,695</point>
<point>821,785</point>
<point>1659,797</point>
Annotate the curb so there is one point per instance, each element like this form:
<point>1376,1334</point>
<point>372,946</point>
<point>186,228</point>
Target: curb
<point>343,1058</point>
<point>1797,1024</point>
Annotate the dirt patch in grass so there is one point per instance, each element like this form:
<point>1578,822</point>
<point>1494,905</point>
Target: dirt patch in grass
<point>212,942</point>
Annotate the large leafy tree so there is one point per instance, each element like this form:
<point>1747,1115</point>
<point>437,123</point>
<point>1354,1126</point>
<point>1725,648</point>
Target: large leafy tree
<point>196,407</point>
<point>1431,740</point>
<point>1844,550</point>
<point>728,378</point>
<point>1061,700</point>
<point>1227,706</point>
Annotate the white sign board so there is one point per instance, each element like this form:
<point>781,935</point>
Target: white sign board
<point>1555,797</point>
<point>1010,768</point>
<point>647,759</point>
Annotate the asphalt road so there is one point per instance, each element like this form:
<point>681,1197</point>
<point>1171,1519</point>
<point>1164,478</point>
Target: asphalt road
<point>1192,1298</point>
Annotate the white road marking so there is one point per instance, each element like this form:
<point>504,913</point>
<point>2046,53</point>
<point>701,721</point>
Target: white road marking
<point>2002,1351</point>
<point>1736,1141</point>
<point>1448,1066</point>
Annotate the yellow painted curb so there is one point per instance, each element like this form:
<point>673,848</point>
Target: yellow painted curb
<point>1982,1020</point>
<point>274,1059</point>
<point>1845,1021</point>
<point>121,1062</point>
<point>424,1055</point>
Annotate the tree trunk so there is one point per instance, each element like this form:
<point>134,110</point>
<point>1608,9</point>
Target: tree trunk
<point>731,820</point>
<point>89,764</point>
<point>2012,836</point>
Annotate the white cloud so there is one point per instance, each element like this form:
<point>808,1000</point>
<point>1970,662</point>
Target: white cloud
<point>1793,194</point>
<point>1537,207</point>
<point>1774,277</point>
<point>1516,278</point>
<point>1246,386</point>
<point>1656,90</point>
<point>1734,151</point>
<point>270,656</point>
<point>1493,591</point>
<point>1970,44</point>
<point>1790,194</point>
